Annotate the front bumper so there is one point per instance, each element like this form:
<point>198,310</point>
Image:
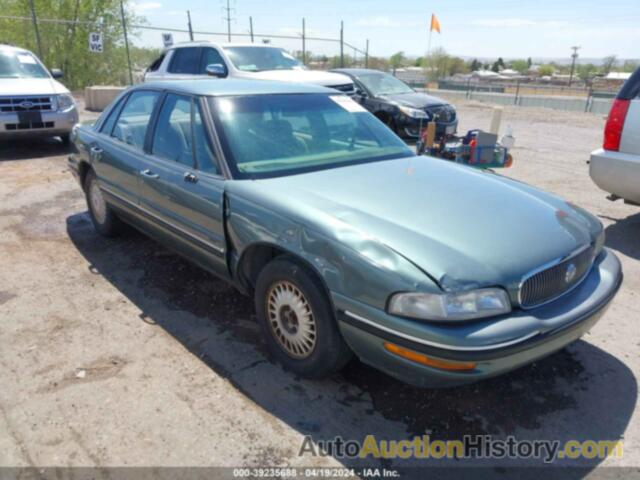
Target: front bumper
<point>410,127</point>
<point>496,345</point>
<point>617,173</point>
<point>53,123</point>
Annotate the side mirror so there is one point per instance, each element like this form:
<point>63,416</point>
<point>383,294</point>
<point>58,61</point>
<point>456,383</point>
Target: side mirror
<point>361,93</point>
<point>216,70</point>
<point>57,73</point>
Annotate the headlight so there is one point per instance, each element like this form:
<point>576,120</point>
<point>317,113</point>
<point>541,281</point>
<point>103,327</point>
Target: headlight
<point>485,302</point>
<point>65,101</point>
<point>413,112</point>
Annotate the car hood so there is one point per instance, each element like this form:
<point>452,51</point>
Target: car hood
<point>415,100</point>
<point>30,86</point>
<point>326,79</point>
<point>464,228</point>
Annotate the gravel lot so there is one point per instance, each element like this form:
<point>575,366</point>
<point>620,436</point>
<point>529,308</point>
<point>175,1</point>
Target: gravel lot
<point>117,352</point>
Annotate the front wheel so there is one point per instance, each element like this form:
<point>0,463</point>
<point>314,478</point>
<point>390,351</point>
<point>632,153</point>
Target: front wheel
<point>298,321</point>
<point>102,216</point>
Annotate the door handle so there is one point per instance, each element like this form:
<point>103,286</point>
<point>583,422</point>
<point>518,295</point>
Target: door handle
<point>95,151</point>
<point>190,177</point>
<point>149,174</point>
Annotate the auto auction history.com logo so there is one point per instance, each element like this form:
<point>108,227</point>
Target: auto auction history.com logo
<point>470,447</point>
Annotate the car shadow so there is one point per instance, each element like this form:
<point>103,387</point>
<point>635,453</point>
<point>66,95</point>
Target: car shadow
<point>25,149</point>
<point>580,393</point>
<point>623,235</point>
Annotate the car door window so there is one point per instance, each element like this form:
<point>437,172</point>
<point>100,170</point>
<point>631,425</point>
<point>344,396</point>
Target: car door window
<point>173,138</point>
<point>131,127</point>
<point>204,153</point>
<point>210,56</point>
<point>185,60</point>
<point>107,126</point>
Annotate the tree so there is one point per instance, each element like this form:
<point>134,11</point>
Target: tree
<point>529,62</point>
<point>608,63</point>
<point>586,72</point>
<point>475,65</point>
<point>65,45</point>
<point>546,70</point>
<point>498,65</point>
<point>520,66</point>
<point>630,65</point>
<point>396,61</point>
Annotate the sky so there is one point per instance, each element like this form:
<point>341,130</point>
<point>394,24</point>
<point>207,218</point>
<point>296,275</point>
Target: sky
<point>488,29</point>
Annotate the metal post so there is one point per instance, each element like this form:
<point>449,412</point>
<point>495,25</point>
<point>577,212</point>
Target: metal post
<point>366,55</point>
<point>304,43</point>
<point>341,44</point>
<point>35,27</point>
<point>251,28</point>
<point>190,27</point>
<point>515,101</point>
<point>126,41</point>
<point>228,21</point>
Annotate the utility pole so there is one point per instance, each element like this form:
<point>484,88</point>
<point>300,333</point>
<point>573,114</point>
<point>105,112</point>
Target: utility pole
<point>190,27</point>
<point>341,44</point>
<point>35,27</point>
<point>251,28</point>
<point>126,41</point>
<point>228,19</point>
<point>366,55</point>
<point>574,56</point>
<point>304,43</point>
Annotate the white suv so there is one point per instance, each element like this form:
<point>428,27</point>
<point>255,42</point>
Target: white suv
<point>32,102</point>
<point>239,60</point>
<point>615,167</point>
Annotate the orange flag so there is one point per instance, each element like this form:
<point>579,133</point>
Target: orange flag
<point>435,24</point>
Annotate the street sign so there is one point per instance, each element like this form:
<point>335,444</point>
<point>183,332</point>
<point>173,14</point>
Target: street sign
<point>95,42</point>
<point>167,39</point>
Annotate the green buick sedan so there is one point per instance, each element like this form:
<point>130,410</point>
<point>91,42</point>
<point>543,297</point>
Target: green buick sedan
<point>435,273</point>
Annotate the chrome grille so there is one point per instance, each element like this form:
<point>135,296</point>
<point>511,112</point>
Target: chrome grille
<point>26,104</point>
<point>346,88</point>
<point>444,113</point>
<point>551,283</point>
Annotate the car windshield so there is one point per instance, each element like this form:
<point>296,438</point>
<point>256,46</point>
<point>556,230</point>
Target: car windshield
<point>383,84</point>
<point>258,59</point>
<point>277,135</point>
<point>20,65</point>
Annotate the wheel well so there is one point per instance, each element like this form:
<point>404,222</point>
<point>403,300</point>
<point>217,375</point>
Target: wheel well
<point>256,257</point>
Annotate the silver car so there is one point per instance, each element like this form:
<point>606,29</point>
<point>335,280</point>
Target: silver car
<point>615,167</point>
<point>32,101</point>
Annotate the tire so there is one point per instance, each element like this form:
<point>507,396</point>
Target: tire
<point>66,139</point>
<point>291,305</point>
<point>104,220</point>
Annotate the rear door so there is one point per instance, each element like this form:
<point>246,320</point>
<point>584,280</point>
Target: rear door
<point>630,140</point>
<point>181,185</point>
<point>118,149</point>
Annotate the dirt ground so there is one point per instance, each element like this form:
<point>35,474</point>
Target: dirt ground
<point>119,353</point>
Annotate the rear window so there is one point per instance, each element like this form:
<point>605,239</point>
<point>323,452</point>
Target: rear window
<point>131,127</point>
<point>631,88</point>
<point>185,60</point>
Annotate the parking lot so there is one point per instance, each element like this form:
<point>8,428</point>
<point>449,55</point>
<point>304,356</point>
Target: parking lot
<point>118,352</point>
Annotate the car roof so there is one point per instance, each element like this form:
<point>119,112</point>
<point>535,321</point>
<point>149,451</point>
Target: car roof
<point>225,87</point>
<point>209,43</point>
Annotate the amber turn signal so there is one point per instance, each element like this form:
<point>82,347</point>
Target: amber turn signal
<point>428,361</point>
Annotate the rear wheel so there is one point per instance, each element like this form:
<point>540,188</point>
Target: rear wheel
<point>298,321</point>
<point>102,216</point>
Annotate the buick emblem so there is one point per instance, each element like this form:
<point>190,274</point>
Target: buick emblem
<point>26,104</point>
<point>570,273</point>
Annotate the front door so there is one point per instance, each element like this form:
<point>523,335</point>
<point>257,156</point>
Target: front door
<point>180,185</point>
